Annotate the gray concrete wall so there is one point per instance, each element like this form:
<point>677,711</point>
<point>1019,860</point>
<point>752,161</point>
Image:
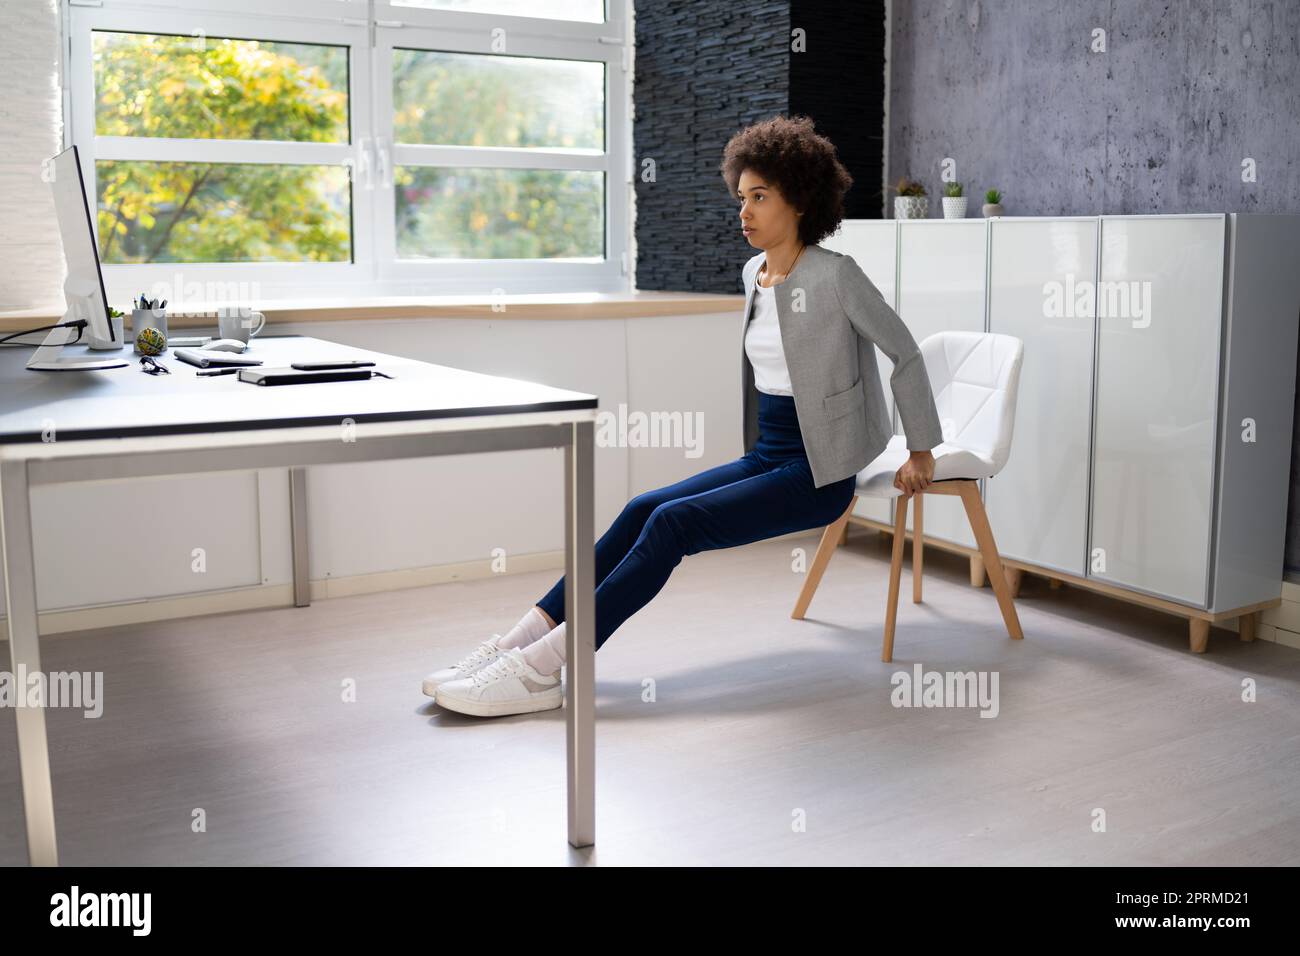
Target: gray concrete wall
<point>1159,123</point>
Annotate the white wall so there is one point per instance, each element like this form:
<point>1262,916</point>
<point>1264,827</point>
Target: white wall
<point>31,129</point>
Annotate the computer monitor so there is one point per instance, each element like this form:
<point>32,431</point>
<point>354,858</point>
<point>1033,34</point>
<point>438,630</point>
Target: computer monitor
<point>84,287</point>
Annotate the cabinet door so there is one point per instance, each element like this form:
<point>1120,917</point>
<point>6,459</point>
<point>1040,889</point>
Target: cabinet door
<point>941,288</point>
<point>1041,276</point>
<point>1159,305</point>
<point>873,244</point>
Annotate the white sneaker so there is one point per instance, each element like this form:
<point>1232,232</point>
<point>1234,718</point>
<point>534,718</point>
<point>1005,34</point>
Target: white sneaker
<point>482,656</point>
<point>508,685</point>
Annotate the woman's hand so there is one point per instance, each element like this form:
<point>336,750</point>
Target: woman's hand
<point>916,474</point>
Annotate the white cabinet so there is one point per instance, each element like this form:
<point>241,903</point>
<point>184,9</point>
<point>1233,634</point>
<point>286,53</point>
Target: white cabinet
<point>1041,278</point>
<point>1160,309</point>
<point>1253,476</point>
<point>941,271</point>
<point>1153,433</point>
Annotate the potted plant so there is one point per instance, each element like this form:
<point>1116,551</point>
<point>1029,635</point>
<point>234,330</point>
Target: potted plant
<point>911,201</point>
<point>115,328</point>
<point>992,203</point>
<point>954,203</point>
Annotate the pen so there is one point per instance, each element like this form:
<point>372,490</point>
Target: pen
<point>217,371</point>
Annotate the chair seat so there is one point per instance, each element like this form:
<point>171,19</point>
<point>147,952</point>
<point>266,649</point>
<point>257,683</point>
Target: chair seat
<point>950,461</point>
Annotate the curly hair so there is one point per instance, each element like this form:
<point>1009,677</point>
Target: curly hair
<point>803,165</point>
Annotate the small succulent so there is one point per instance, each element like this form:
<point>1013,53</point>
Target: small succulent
<point>993,197</point>
<point>910,187</point>
<point>114,313</point>
<point>952,190</point>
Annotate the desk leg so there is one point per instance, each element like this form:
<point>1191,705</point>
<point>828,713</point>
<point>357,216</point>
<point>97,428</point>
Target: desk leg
<point>25,658</point>
<point>580,634</point>
<point>298,531</point>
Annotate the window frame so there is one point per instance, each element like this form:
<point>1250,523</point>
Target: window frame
<point>371,31</point>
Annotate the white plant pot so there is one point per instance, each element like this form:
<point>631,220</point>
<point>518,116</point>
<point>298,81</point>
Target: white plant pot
<point>911,207</point>
<point>954,207</point>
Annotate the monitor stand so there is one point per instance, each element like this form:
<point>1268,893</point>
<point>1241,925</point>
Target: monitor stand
<point>48,357</point>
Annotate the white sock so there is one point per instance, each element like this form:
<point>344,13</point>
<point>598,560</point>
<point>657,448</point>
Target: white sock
<point>531,627</point>
<point>546,656</point>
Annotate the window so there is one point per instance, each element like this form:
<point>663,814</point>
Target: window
<point>589,10</point>
<point>310,147</point>
<point>194,88</point>
<point>515,102</point>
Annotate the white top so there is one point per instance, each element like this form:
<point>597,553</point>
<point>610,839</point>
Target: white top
<point>763,345</point>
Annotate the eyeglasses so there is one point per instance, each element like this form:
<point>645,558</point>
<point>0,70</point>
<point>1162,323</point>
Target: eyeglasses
<point>150,367</point>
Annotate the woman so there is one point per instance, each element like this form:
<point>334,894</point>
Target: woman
<point>814,417</point>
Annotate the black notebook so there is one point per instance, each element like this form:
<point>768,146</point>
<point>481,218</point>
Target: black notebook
<point>295,376</point>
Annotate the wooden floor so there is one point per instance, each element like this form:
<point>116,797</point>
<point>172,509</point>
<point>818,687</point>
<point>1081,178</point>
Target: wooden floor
<point>757,722</point>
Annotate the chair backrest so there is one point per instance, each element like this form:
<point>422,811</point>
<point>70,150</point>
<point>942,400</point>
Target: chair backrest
<point>975,377</point>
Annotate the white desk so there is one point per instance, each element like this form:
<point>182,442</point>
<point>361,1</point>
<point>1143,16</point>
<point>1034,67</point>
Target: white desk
<point>59,427</point>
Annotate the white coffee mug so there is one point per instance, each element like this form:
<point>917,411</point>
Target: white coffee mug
<point>239,324</point>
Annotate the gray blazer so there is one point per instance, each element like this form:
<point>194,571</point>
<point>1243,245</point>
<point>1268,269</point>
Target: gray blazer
<point>831,317</point>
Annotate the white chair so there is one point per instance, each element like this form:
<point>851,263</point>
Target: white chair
<point>974,376</point>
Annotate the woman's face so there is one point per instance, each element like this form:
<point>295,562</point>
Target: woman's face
<point>766,219</point>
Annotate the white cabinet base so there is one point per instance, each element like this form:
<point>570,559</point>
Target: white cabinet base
<point>1198,621</point>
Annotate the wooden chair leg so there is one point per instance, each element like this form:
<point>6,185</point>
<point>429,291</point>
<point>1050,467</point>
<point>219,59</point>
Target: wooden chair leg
<point>1014,576</point>
<point>895,574</point>
<point>979,523</point>
<point>830,540</point>
<point>1198,633</point>
<point>917,547</point>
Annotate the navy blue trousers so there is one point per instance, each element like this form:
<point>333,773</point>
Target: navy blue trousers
<point>766,492</point>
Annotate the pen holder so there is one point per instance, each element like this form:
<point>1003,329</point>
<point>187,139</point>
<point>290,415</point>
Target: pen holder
<point>148,318</point>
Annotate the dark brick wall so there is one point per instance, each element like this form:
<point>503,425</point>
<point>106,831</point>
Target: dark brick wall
<point>840,82</point>
<point>705,70</point>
